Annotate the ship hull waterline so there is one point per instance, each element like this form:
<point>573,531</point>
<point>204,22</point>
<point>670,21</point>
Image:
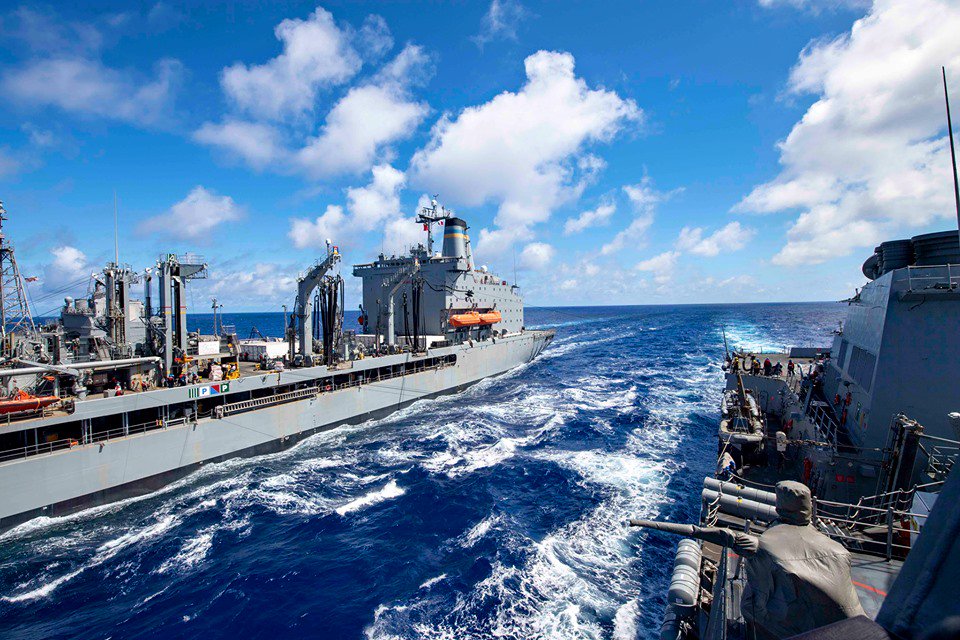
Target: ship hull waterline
<point>95,474</point>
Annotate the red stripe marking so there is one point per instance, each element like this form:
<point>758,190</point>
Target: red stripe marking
<point>869,588</point>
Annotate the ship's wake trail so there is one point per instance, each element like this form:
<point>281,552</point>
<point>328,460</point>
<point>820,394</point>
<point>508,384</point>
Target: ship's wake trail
<point>582,578</point>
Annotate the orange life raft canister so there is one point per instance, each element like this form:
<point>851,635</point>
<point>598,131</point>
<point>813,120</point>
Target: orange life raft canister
<point>474,319</point>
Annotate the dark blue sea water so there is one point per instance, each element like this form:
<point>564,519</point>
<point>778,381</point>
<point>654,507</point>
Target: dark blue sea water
<point>498,512</point>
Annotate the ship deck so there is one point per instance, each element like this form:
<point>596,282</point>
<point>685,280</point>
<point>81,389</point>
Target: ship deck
<point>802,361</point>
<point>246,369</point>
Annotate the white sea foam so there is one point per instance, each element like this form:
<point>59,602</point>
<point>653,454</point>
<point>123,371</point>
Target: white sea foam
<point>432,581</point>
<point>625,621</point>
<point>44,586</point>
<point>387,492</point>
<point>478,531</point>
<point>191,554</point>
<point>571,575</point>
<point>574,581</point>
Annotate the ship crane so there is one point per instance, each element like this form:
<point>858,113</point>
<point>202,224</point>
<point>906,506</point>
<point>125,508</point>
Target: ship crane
<point>393,284</point>
<point>301,321</point>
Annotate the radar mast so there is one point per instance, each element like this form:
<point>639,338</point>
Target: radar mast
<point>14,310</point>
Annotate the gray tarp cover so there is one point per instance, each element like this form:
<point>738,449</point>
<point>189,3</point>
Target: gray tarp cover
<point>799,579</point>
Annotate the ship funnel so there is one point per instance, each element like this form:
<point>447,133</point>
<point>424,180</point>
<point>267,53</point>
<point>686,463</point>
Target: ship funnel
<point>455,238</point>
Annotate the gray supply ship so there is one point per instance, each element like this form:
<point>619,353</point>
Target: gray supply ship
<point>118,397</point>
<point>835,507</point>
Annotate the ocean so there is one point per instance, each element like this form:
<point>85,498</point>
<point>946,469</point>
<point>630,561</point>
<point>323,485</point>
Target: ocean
<point>498,512</point>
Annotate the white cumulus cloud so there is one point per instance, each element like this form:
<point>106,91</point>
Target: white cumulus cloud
<point>358,127</point>
<point>590,218</point>
<point>194,217</point>
<point>731,237</point>
<point>536,256</point>
<point>352,136</point>
<point>315,233</point>
<point>869,157</point>
<point>371,205</point>
<point>67,266</point>
<point>316,53</point>
<point>258,144</point>
<point>400,234</point>
<point>521,148</point>
<point>374,207</point>
<point>662,266</point>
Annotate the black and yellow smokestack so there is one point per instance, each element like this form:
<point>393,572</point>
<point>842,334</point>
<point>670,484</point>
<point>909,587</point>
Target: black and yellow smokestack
<point>455,239</point>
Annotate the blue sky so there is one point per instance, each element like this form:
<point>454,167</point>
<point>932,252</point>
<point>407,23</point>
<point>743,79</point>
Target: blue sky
<point>618,152</point>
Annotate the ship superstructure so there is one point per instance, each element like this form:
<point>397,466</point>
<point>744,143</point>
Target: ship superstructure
<point>868,425</point>
<point>421,293</point>
<point>132,398</point>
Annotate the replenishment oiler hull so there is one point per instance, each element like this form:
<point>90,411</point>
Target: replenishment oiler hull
<point>299,403</point>
<point>123,398</point>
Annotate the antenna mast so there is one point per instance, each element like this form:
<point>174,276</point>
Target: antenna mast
<point>14,311</point>
<point>428,216</point>
<point>953,153</point>
<point>116,232</point>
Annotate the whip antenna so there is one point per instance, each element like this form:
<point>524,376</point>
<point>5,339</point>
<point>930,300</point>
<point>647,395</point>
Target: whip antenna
<point>116,232</point>
<point>953,153</point>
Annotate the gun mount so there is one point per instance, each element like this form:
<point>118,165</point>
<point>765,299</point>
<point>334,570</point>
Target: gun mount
<point>743,543</point>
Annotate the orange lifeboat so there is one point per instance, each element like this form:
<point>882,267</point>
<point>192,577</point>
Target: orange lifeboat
<point>469,319</point>
<point>474,319</point>
<point>23,401</point>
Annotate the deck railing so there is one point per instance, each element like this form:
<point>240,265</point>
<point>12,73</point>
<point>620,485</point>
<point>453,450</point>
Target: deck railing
<point>266,401</point>
<point>876,525</point>
<point>871,530</point>
<point>827,427</point>
<point>97,437</point>
<point>62,444</point>
<point>942,276</point>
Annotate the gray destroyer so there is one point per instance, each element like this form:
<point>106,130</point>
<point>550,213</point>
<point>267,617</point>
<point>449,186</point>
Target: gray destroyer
<point>118,397</point>
<point>834,500</point>
<point>833,512</point>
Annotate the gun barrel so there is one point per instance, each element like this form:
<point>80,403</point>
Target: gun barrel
<point>669,527</point>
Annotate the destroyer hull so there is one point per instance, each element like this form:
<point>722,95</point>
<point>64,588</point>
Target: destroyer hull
<point>96,473</point>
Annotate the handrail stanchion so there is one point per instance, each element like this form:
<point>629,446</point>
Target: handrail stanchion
<point>889,533</point>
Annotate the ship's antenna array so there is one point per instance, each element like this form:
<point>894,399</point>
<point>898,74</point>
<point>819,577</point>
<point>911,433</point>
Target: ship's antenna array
<point>953,153</point>
<point>428,216</point>
<point>14,310</point>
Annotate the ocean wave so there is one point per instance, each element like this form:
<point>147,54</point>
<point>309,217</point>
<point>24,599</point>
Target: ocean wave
<point>387,492</point>
<point>512,496</point>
